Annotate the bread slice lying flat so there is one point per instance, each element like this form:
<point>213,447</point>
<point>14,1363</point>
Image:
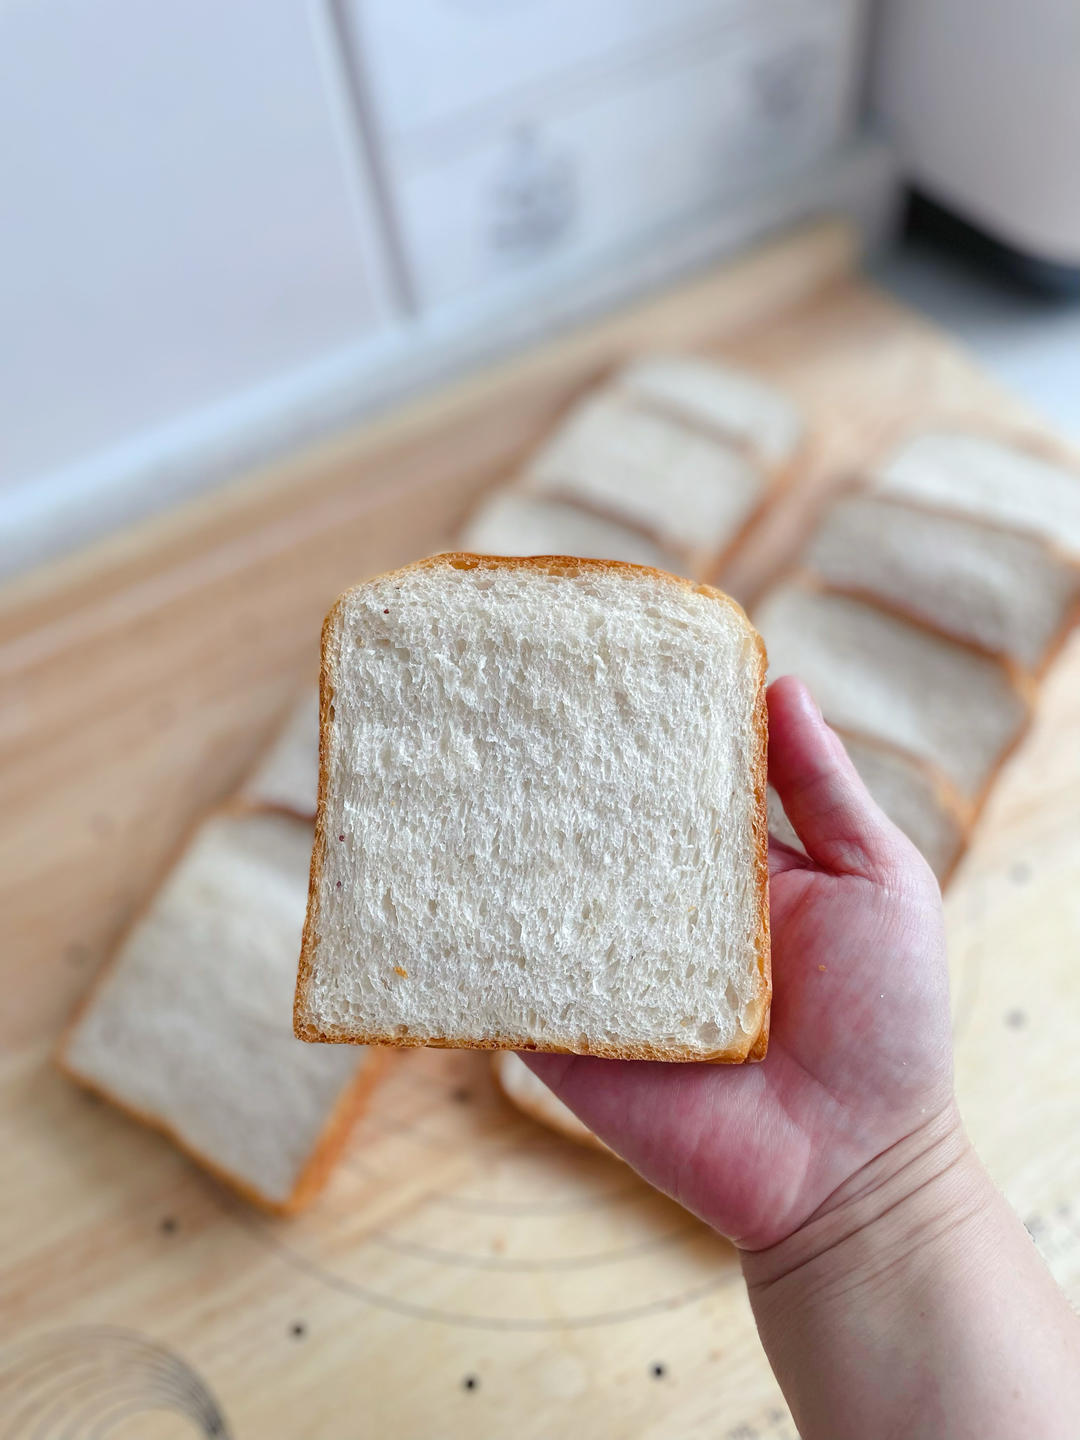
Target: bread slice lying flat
<point>287,776</point>
<point>683,451</point>
<point>512,524</point>
<point>533,1098</point>
<point>189,1027</point>
<point>973,475</point>
<point>730,403</point>
<point>1008,593</point>
<point>918,800</point>
<point>874,673</point>
<point>541,815</point>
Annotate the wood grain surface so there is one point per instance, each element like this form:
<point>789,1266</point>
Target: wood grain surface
<point>465,1273</point>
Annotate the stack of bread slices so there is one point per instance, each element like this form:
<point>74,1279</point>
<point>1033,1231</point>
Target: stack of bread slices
<point>925,607</point>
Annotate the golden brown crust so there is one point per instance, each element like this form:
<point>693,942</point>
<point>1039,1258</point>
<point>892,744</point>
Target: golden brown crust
<point>334,1136</point>
<point>734,1055</point>
<point>305,1028</point>
<point>310,938</point>
<point>761,835</point>
<point>568,565</point>
<point>760,1048</point>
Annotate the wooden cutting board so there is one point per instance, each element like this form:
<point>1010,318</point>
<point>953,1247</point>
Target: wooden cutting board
<point>465,1273</point>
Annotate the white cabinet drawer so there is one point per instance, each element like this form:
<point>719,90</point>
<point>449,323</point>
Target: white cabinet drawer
<point>519,134</point>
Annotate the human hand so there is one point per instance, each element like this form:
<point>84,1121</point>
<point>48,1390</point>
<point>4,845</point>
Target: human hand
<point>860,1051</point>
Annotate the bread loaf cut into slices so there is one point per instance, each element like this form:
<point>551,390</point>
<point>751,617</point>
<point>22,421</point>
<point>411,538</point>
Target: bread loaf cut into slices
<point>916,799</point>
<point>189,1027</point>
<point>512,524</point>
<point>541,815</point>
<point>728,402</point>
<point>974,475</point>
<point>687,490</point>
<point>287,776</point>
<point>874,673</point>
<point>1008,593</point>
<point>533,1098</point>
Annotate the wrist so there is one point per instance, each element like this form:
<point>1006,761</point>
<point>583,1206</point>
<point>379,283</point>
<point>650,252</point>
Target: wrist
<point>896,1211</point>
<point>846,1305</point>
<point>913,1303</point>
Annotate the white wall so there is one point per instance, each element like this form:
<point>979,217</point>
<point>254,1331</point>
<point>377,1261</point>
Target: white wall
<point>176,222</point>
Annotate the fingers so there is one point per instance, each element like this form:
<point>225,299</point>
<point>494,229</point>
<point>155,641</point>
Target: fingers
<point>613,1098</point>
<point>829,807</point>
<point>665,1119</point>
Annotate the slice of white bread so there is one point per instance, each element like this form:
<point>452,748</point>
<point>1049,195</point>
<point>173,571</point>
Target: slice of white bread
<point>975,475</point>
<point>1009,594</point>
<point>287,776</point>
<point>876,674</point>
<point>915,798</point>
<point>533,1098</point>
<point>189,1027</point>
<point>690,492</point>
<point>508,523</point>
<point>729,402</point>
<point>541,815</point>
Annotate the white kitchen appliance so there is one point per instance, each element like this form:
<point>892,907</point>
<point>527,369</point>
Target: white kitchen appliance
<point>981,99</point>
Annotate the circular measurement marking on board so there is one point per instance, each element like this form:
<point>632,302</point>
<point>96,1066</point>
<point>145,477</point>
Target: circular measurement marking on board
<point>473,1215</point>
<point>87,1380</point>
<point>524,1264</point>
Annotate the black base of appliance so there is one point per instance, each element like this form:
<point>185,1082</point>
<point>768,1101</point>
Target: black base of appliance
<point>928,220</point>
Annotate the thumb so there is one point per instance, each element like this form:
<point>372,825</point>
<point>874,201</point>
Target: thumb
<point>830,809</point>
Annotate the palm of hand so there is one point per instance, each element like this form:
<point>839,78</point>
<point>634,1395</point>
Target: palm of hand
<point>859,1053</point>
<point>860,1049</point>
